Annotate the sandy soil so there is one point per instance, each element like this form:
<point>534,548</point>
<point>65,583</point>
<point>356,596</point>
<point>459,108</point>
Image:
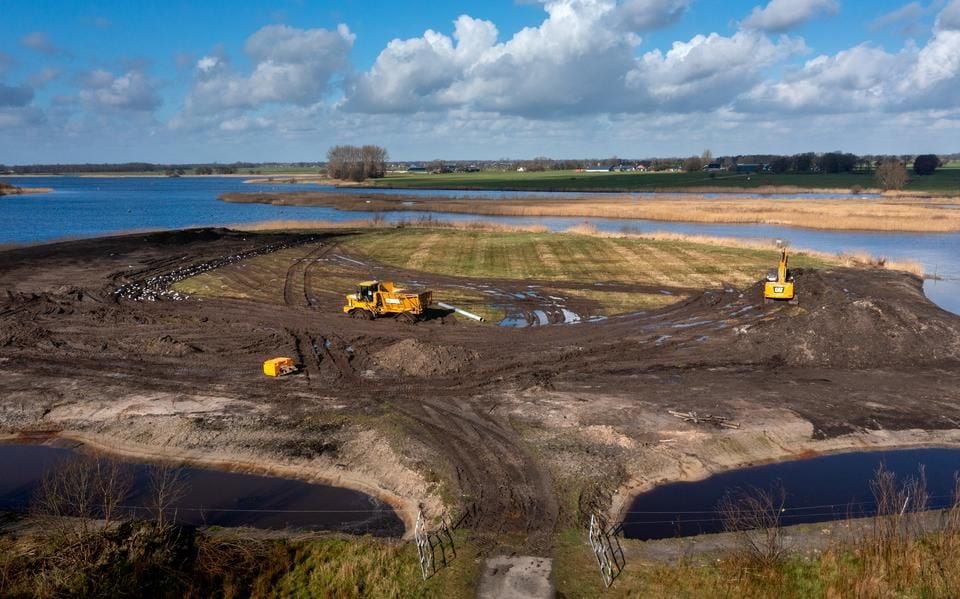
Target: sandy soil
<point>512,432</point>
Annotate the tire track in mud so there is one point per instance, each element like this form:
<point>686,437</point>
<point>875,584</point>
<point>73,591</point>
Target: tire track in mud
<point>298,272</point>
<point>308,273</point>
<point>503,488</point>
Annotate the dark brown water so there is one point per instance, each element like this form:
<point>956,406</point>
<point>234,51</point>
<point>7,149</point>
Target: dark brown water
<point>212,497</point>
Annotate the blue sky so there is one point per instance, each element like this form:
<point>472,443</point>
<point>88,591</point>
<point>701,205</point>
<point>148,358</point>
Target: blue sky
<point>216,80</point>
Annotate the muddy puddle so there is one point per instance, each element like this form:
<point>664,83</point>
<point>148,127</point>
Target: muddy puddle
<point>818,489</point>
<point>211,497</point>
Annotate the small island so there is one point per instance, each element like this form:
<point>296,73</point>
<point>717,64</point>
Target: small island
<point>6,189</point>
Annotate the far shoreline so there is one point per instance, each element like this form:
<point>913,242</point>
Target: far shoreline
<point>906,215</point>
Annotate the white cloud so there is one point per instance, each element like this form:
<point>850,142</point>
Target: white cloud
<point>708,71</point>
<point>290,66</point>
<point>853,80</point>
<point>868,78</point>
<point>579,60</point>
<point>132,91</point>
<point>783,15</point>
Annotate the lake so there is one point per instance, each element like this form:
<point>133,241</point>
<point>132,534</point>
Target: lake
<point>92,206</point>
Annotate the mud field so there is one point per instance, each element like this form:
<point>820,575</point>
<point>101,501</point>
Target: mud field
<point>513,433</point>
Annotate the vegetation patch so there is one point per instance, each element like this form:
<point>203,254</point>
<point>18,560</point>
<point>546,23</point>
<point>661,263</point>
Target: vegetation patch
<point>568,258</point>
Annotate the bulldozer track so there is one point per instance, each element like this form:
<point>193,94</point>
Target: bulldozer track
<point>297,274</point>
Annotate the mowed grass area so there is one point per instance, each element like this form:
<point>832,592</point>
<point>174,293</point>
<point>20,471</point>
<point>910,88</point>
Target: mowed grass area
<point>568,257</point>
<point>944,180</point>
<point>565,264</point>
<point>571,258</point>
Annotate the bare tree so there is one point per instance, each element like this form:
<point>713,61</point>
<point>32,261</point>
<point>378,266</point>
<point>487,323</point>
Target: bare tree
<point>84,488</point>
<point>891,174</point>
<point>356,163</point>
<point>167,488</point>
<point>755,516</point>
<point>70,501</point>
<point>692,164</point>
<point>706,158</point>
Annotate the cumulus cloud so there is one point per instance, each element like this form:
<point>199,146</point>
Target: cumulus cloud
<point>132,91</point>
<point>708,71</point>
<point>784,15</point>
<point>868,78</point>
<point>852,80</point>
<point>578,60</point>
<point>649,15</point>
<point>290,66</point>
<point>40,42</point>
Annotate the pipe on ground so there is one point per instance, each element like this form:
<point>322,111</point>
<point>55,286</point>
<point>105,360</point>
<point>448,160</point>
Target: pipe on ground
<point>459,311</point>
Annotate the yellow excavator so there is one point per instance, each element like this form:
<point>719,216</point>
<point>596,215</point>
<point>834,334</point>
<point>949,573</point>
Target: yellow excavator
<point>779,285</point>
<point>378,298</point>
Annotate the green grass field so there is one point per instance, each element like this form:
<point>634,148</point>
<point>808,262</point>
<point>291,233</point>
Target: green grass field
<point>567,257</point>
<point>945,180</point>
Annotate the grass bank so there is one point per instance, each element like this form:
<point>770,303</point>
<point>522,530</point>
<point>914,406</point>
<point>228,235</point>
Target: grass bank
<point>943,181</point>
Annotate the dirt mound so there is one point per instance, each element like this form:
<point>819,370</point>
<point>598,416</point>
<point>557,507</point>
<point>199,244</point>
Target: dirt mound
<point>853,318</point>
<point>166,346</point>
<point>414,358</point>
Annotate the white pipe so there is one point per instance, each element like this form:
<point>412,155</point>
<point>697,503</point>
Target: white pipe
<point>459,311</point>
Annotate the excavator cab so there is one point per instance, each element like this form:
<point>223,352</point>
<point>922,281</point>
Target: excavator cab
<point>779,285</point>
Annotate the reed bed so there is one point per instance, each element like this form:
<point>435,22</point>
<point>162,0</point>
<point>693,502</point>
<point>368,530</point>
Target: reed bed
<point>887,214</point>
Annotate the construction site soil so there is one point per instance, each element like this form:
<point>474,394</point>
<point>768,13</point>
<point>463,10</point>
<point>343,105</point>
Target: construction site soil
<point>511,433</point>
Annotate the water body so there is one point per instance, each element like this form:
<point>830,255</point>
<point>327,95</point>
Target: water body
<point>87,207</point>
<point>213,497</point>
<point>817,490</point>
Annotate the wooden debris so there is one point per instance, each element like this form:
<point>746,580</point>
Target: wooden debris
<point>693,417</point>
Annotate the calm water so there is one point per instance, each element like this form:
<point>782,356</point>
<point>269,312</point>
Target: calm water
<point>83,207</point>
<point>817,490</point>
<point>214,497</point>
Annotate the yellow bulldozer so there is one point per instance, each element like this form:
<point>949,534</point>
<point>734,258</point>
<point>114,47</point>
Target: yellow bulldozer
<point>779,285</point>
<point>378,298</point>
